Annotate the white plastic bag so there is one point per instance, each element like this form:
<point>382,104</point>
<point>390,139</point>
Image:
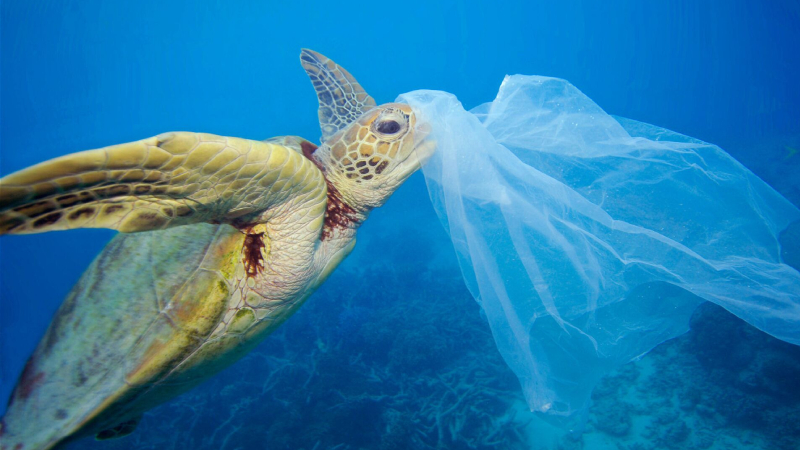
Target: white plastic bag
<point>575,230</point>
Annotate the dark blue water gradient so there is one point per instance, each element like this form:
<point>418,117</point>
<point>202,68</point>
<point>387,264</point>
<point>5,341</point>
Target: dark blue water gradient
<point>82,74</point>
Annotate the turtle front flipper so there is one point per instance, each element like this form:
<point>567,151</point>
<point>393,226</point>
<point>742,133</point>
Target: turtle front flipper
<point>342,100</point>
<point>164,181</point>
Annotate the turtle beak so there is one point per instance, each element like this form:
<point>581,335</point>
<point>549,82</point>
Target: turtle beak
<point>424,146</point>
<point>423,149</point>
<point>421,131</point>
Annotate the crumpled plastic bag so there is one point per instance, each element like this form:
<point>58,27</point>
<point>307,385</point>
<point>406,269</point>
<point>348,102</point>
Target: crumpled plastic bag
<point>589,239</point>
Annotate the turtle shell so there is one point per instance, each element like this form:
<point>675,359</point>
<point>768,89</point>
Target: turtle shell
<point>145,305</point>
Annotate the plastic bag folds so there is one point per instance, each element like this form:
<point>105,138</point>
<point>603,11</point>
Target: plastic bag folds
<point>589,239</point>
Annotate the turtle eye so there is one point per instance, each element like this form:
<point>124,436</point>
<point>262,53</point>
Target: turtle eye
<point>388,127</point>
<point>391,124</point>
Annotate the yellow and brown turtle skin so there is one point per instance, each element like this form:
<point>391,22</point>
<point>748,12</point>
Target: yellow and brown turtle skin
<point>223,239</point>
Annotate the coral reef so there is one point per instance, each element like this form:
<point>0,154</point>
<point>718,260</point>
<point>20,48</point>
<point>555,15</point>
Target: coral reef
<point>722,385</point>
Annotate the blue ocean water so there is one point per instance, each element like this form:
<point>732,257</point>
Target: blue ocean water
<point>392,351</point>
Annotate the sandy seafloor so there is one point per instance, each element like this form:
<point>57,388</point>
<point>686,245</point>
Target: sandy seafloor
<point>392,352</point>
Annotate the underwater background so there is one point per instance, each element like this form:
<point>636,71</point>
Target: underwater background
<point>392,351</point>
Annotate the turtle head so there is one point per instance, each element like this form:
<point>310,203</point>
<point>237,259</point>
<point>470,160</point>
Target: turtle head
<point>367,151</point>
<point>369,159</point>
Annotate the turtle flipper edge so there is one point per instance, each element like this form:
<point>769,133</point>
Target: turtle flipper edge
<point>342,100</point>
<point>172,179</point>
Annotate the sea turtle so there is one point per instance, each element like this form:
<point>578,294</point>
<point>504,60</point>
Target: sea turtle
<point>235,235</point>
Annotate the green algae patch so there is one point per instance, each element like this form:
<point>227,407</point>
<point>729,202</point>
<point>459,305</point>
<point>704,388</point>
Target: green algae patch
<point>243,319</point>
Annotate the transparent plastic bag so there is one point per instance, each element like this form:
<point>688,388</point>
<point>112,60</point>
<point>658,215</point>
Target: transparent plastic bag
<point>589,239</point>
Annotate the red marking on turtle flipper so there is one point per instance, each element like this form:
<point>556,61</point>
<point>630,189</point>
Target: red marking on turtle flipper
<point>28,381</point>
<point>308,149</point>
<point>338,214</point>
<point>253,259</point>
